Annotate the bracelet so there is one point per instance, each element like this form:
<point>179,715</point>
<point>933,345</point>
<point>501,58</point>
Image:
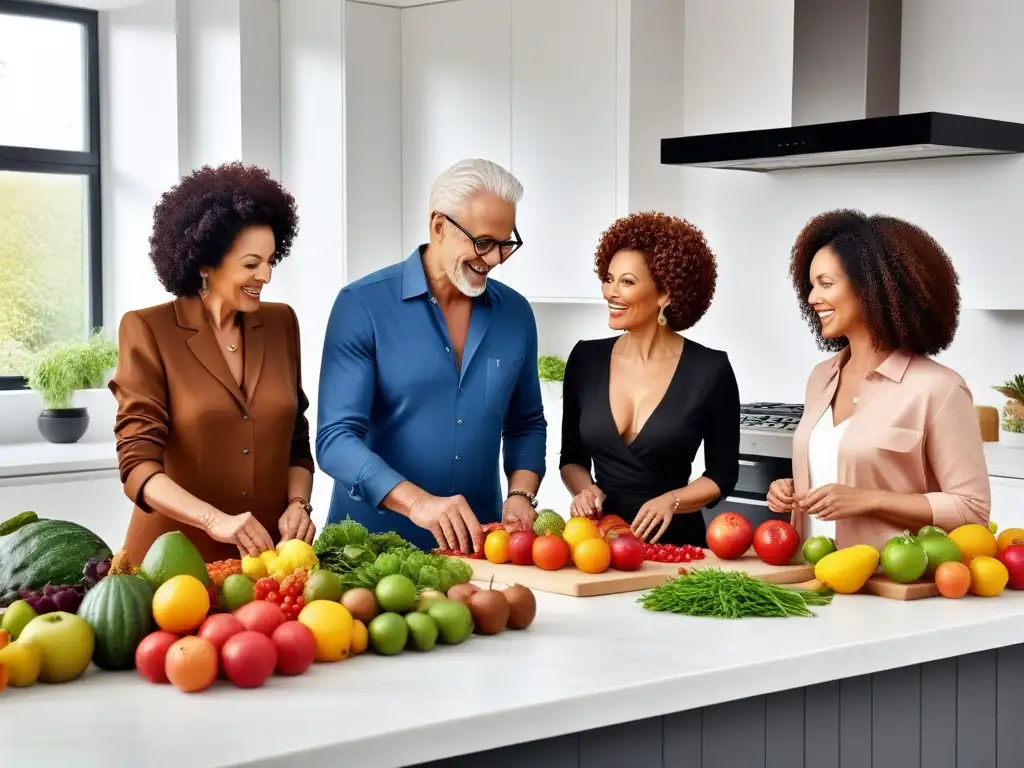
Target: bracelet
<point>306,506</point>
<point>675,503</point>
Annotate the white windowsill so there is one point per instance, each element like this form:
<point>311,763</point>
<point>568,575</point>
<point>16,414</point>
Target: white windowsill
<point>42,458</point>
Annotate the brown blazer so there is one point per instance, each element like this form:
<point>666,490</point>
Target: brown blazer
<point>181,413</point>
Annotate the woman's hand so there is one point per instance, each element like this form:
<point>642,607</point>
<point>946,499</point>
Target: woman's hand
<point>837,502</point>
<point>587,503</point>
<point>781,495</point>
<point>296,524</point>
<point>244,531</point>
<point>654,517</point>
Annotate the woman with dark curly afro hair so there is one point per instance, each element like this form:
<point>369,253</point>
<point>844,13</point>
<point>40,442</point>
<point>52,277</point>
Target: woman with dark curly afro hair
<point>638,406</point>
<point>889,440</point>
<point>212,437</point>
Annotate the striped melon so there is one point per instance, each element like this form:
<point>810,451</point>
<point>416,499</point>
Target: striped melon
<point>119,610</point>
<point>47,552</point>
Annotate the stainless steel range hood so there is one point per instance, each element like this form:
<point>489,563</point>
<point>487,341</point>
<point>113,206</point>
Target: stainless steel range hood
<point>846,71</point>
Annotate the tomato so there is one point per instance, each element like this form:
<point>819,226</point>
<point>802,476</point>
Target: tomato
<point>729,535</point>
<point>550,552</point>
<point>776,542</point>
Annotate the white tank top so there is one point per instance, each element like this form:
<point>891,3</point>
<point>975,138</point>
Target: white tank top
<point>823,464</point>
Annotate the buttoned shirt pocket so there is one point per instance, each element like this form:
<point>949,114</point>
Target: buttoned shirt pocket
<point>502,374</point>
<point>898,439</point>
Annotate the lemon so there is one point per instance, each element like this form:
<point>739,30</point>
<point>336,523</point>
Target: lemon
<point>974,540</point>
<point>332,626</point>
<point>579,529</point>
<point>254,567</point>
<point>988,576</point>
<point>847,570</point>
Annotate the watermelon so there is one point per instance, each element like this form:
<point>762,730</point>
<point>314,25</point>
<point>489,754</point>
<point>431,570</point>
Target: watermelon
<point>47,552</point>
<point>119,611</point>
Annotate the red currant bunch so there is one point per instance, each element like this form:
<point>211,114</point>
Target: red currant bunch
<point>292,601</point>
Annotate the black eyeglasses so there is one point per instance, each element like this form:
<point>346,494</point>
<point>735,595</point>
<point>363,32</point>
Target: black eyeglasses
<point>484,245</point>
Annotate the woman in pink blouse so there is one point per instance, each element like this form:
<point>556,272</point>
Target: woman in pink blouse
<point>889,439</point>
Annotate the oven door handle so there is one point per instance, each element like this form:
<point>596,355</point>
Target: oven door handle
<point>739,500</point>
<point>745,463</point>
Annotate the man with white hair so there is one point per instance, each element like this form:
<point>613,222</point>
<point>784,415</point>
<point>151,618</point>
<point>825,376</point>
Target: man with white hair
<point>427,366</point>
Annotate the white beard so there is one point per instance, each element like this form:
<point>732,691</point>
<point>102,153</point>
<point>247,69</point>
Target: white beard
<point>458,277</point>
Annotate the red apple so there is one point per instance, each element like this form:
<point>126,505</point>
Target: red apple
<point>296,648</point>
<point>151,655</point>
<point>627,553</point>
<point>249,659</point>
<point>1013,558</point>
<point>260,616</point>
<point>219,627</point>
<point>520,547</point>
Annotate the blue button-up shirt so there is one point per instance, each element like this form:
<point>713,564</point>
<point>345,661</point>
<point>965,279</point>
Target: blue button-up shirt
<point>394,404</point>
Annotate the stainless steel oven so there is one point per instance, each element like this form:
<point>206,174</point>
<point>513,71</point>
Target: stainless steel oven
<point>766,454</point>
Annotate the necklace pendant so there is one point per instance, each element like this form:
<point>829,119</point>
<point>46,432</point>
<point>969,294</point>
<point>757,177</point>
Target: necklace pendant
<point>232,348</point>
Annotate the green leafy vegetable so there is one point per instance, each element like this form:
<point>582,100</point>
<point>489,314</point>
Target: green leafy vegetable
<point>720,594</point>
<point>550,368</point>
<point>342,547</point>
<point>425,570</point>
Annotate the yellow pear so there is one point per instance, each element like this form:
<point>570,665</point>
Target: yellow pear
<point>847,570</point>
<point>23,661</point>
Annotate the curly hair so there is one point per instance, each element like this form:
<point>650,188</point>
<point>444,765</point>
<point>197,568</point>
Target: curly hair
<point>196,221</point>
<point>678,257</point>
<point>907,286</point>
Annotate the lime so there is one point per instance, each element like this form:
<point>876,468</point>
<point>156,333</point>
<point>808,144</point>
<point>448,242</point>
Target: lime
<point>422,631</point>
<point>322,585</point>
<point>817,547</point>
<point>396,593</point>
<point>930,530</point>
<point>388,633</point>
<point>236,591</point>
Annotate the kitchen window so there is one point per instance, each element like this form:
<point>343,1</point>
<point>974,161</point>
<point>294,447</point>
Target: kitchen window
<point>50,259</point>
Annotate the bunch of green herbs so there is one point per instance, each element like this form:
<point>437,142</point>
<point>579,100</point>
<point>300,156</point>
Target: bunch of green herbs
<point>714,593</point>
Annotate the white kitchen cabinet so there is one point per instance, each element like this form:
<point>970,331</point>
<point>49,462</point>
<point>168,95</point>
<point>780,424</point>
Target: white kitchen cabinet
<point>456,97</point>
<point>1007,502</point>
<point>95,500</point>
<point>564,142</point>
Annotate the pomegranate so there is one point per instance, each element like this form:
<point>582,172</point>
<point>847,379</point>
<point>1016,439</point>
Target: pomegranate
<point>1013,558</point>
<point>730,535</point>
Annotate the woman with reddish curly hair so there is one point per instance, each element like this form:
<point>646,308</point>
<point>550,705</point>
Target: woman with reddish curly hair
<point>638,406</point>
<point>212,437</point>
<point>889,439</point>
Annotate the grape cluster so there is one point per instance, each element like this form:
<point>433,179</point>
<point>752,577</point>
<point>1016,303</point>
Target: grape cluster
<point>95,570</point>
<point>53,598</point>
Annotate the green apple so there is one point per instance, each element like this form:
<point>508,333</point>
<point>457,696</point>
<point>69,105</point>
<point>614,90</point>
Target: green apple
<point>66,641</point>
<point>17,615</point>
<point>23,661</point>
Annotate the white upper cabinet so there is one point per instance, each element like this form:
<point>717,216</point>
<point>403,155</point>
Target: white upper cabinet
<point>529,84</point>
<point>564,143</point>
<point>456,97</point>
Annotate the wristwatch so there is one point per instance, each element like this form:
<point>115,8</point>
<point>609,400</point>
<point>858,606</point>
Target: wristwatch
<point>306,506</point>
<point>525,494</point>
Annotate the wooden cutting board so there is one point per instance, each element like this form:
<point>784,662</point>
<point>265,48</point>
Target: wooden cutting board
<point>882,586</point>
<point>575,583</point>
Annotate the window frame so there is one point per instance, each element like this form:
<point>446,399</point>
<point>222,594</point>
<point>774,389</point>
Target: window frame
<point>71,163</point>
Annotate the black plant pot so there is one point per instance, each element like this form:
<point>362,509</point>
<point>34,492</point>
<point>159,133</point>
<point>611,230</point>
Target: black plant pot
<point>63,425</point>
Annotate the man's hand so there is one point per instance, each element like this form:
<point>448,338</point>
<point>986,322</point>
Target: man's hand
<point>451,521</point>
<point>517,514</point>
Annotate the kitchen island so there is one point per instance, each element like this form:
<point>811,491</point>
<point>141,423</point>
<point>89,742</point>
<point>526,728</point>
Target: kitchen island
<point>594,682</point>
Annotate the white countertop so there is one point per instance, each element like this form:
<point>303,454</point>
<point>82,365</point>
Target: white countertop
<point>1004,462</point>
<point>585,663</point>
<point>42,458</point>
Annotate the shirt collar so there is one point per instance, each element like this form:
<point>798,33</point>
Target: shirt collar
<point>894,367</point>
<point>414,278</point>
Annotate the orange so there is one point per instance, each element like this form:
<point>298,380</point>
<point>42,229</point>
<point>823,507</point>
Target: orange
<point>360,638</point>
<point>1008,537</point>
<point>496,546</point>
<point>579,529</point>
<point>988,576</point>
<point>952,579</point>
<point>974,540</point>
<point>332,626</point>
<point>592,555</point>
<point>180,604</point>
<point>191,664</point>
<point>550,552</point>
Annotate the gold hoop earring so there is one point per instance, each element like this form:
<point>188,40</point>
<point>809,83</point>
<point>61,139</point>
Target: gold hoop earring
<point>204,288</point>
<point>662,320</point>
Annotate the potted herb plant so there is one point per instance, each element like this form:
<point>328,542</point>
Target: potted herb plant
<point>1011,428</point>
<point>60,371</point>
<point>551,370</point>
